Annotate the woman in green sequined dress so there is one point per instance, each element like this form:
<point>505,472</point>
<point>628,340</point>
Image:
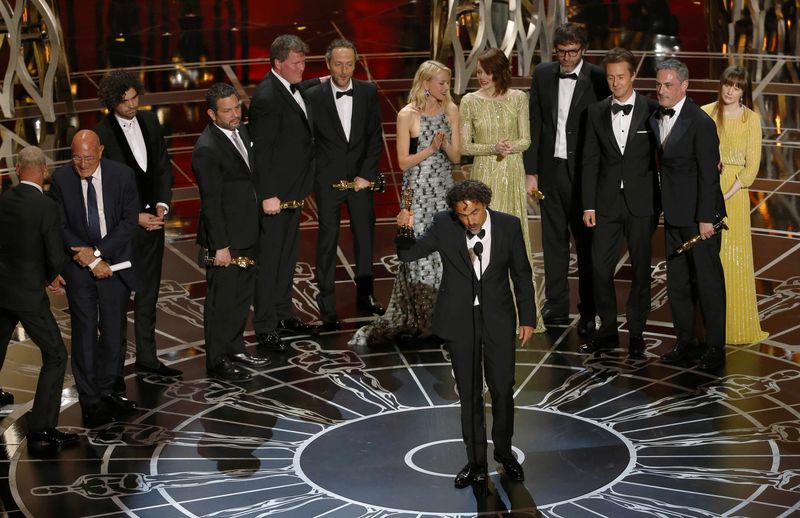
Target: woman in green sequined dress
<point>495,129</point>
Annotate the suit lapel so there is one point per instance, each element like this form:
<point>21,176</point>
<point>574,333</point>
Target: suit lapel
<point>553,89</point>
<point>359,107</point>
<point>243,133</point>
<point>122,142</point>
<point>605,113</point>
<point>582,84</point>
<point>679,128</point>
<point>640,113</point>
<point>653,122</point>
<point>291,101</point>
<point>146,138</point>
<point>226,144</point>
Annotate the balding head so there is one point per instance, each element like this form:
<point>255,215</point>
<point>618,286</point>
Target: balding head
<point>31,165</point>
<point>86,152</point>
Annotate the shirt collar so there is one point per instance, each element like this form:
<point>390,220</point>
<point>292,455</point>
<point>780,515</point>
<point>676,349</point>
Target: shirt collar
<point>228,133</point>
<point>337,89</point>
<point>629,100</point>
<point>283,81</point>
<point>487,226</point>
<point>26,182</point>
<point>123,122</point>
<point>678,107</point>
<point>576,70</point>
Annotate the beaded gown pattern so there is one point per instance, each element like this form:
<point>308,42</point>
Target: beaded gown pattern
<point>410,310</point>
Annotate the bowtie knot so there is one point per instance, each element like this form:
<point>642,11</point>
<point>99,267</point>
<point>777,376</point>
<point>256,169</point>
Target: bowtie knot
<point>292,88</point>
<point>340,94</point>
<point>479,235</point>
<point>624,108</point>
<point>669,112</point>
<point>571,75</point>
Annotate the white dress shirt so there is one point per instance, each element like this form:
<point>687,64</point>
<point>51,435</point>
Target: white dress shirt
<point>621,125</point>
<point>135,137</point>
<point>566,87</point>
<point>296,94</point>
<point>344,106</point>
<point>480,266</point>
<point>666,123</point>
<point>97,182</point>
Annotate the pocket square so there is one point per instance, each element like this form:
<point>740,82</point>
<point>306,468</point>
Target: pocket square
<point>644,131</point>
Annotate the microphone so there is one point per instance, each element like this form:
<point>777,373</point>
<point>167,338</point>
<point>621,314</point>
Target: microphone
<point>478,248</point>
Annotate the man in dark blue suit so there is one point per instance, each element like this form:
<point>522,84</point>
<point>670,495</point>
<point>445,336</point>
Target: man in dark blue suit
<point>99,208</point>
<point>31,257</point>
<point>481,253</point>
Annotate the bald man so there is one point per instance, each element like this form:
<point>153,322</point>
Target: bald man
<point>99,208</point>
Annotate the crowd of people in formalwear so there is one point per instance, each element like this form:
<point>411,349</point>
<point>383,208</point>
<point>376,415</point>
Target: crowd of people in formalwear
<point>605,160</point>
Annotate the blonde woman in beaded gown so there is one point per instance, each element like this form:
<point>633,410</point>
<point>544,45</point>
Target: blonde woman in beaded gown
<point>495,129</point>
<point>427,146</point>
<point>739,130</point>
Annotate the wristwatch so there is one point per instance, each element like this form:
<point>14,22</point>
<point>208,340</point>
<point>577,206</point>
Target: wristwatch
<point>97,253</point>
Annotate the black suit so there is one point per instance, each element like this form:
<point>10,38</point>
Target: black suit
<point>690,194</point>
<point>560,181</point>
<point>495,320</point>
<point>229,215</point>
<point>284,165</point>
<point>31,256</point>
<point>339,158</point>
<point>95,362</point>
<point>630,211</point>
<point>154,186</point>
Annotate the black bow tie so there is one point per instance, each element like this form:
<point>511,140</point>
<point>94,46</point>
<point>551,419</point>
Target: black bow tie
<point>293,88</point>
<point>479,235</point>
<point>669,112</point>
<point>624,108</point>
<point>342,94</point>
<point>571,75</point>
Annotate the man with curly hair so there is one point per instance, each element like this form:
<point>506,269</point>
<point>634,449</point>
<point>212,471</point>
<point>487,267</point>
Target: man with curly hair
<point>135,138</point>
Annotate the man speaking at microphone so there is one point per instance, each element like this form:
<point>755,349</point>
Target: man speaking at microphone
<point>481,254</point>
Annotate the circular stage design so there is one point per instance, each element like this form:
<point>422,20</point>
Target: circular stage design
<point>329,431</point>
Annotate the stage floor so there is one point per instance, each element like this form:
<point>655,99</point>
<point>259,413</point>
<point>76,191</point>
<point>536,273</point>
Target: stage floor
<point>330,430</point>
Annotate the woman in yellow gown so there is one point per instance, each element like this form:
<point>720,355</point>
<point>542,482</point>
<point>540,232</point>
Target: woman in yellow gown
<point>739,130</point>
<point>495,130</point>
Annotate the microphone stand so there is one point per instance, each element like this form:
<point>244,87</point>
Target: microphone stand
<point>477,360</point>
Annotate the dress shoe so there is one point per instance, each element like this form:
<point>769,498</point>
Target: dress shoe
<point>368,304</point>
<point>251,360</point>
<point>97,415</point>
<point>118,404</point>
<point>678,355</point>
<point>331,325</point>
<point>161,370</point>
<point>470,474</point>
<point>226,371</point>
<point>712,359</point>
<point>271,341</point>
<point>294,326</point>
<point>586,326</point>
<point>52,436</point>
<point>599,344</point>
<point>636,348</point>
<point>552,318</point>
<point>6,398</point>
<point>512,468</point>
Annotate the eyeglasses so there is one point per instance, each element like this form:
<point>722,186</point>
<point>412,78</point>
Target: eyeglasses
<point>568,52</point>
<point>85,159</point>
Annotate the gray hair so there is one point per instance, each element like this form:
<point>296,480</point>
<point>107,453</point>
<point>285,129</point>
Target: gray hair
<point>283,44</point>
<point>31,156</point>
<point>680,69</point>
<point>340,43</point>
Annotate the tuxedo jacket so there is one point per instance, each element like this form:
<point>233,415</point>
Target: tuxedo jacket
<point>604,165</point>
<point>590,87</point>
<point>283,142</point>
<point>338,158</point>
<point>454,303</point>
<point>31,250</point>
<point>121,206</point>
<point>229,210</point>
<point>154,184</point>
<point>688,160</point>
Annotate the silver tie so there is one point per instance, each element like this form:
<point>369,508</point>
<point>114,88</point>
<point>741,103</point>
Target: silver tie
<point>240,146</point>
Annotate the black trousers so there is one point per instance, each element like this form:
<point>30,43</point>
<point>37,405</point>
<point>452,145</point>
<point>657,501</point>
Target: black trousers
<point>561,215</point>
<point>228,299</point>
<point>696,274</point>
<point>606,243</point>
<point>277,258</point>
<point>43,330</point>
<point>362,225</point>
<point>95,357</point>
<point>498,365</point>
<point>148,251</point>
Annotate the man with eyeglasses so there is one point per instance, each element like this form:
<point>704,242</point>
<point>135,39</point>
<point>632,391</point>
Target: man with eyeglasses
<point>99,206</point>
<point>561,91</point>
<point>135,138</point>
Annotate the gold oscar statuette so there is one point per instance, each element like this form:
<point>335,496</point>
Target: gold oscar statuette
<point>292,204</point>
<point>243,262</point>
<point>378,185</point>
